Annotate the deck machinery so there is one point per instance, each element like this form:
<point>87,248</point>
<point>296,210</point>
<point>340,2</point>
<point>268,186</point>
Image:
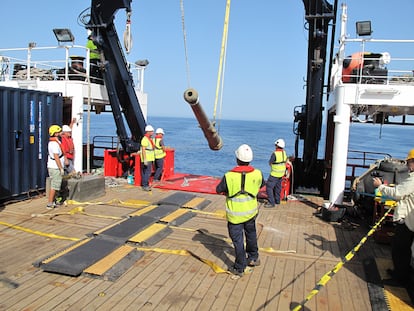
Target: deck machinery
<point>311,175</point>
<point>308,169</point>
<point>118,80</point>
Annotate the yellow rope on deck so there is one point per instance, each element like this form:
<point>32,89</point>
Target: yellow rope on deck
<point>77,210</point>
<point>49,235</point>
<point>183,252</point>
<point>326,278</point>
<point>129,203</point>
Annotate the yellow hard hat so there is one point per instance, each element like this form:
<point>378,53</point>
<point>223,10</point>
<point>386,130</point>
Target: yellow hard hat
<point>53,129</point>
<point>410,154</point>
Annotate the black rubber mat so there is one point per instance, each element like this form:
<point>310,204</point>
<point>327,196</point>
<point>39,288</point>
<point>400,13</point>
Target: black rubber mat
<point>178,198</point>
<point>158,237</point>
<point>74,262</point>
<point>374,283</point>
<point>182,219</point>
<point>203,204</point>
<point>124,230</point>
<point>117,270</point>
<point>161,211</point>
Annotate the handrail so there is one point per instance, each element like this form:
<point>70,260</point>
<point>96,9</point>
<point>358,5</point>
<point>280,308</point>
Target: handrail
<point>54,63</point>
<point>362,160</point>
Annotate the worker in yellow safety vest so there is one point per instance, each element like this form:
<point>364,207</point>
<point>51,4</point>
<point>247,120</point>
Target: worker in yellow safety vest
<point>159,153</point>
<point>94,58</point>
<point>241,186</point>
<point>147,157</point>
<point>277,164</point>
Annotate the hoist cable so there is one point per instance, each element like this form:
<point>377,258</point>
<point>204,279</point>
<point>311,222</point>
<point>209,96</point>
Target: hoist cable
<point>185,44</point>
<point>223,52</point>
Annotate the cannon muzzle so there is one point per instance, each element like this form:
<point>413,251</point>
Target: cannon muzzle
<point>213,139</point>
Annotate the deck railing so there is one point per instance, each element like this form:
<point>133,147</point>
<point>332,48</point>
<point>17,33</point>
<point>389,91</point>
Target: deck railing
<point>55,64</point>
<point>359,161</point>
<point>375,61</point>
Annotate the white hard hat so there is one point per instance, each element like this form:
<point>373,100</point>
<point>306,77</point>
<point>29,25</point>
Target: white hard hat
<point>244,153</point>
<point>159,131</point>
<point>149,128</point>
<point>89,32</point>
<point>66,128</point>
<point>280,143</point>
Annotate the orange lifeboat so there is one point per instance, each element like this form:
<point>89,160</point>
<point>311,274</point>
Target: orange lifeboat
<point>355,61</point>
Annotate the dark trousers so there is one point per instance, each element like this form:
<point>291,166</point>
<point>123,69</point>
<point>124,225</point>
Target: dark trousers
<point>159,165</point>
<point>146,173</point>
<point>273,189</point>
<point>401,252</point>
<point>237,232</point>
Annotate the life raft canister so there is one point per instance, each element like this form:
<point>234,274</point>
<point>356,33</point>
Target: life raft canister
<point>355,61</point>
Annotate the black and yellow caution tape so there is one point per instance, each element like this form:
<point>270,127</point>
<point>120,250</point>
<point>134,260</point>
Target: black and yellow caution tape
<point>328,276</point>
<point>49,235</point>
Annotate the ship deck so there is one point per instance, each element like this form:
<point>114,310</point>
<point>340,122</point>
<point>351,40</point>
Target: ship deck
<point>297,249</point>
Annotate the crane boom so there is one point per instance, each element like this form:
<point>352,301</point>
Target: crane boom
<point>308,172</point>
<point>117,77</point>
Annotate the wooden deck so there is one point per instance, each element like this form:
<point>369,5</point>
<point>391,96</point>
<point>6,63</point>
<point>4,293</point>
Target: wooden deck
<point>163,281</point>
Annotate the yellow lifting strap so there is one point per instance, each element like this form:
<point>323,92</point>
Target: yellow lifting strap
<point>222,63</point>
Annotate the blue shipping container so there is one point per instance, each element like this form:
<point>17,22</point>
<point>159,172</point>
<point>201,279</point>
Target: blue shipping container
<point>25,118</point>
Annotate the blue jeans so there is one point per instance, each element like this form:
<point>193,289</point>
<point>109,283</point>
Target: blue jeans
<point>159,165</point>
<point>146,173</point>
<point>273,189</point>
<point>237,232</point>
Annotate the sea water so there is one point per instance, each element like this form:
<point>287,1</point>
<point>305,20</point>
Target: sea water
<point>192,154</point>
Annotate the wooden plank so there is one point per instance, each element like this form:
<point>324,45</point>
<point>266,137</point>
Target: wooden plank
<point>48,299</point>
<point>34,289</point>
<point>298,290</point>
<point>180,293</point>
<point>68,295</point>
<point>127,286</point>
<point>165,281</point>
<point>287,285</point>
<point>276,286</point>
<point>321,297</point>
<point>143,210</point>
<point>266,267</point>
<point>309,284</point>
<point>193,203</point>
<point>152,283</point>
<point>167,295</point>
<point>147,233</point>
<point>106,263</point>
<point>174,215</point>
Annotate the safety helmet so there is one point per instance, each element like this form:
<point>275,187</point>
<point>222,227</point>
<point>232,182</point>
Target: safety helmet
<point>149,128</point>
<point>89,32</point>
<point>53,129</point>
<point>66,128</point>
<point>280,143</point>
<point>410,155</point>
<point>159,131</point>
<point>244,153</point>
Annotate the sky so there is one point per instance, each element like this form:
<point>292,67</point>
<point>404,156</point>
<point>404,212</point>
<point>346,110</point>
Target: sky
<point>266,53</point>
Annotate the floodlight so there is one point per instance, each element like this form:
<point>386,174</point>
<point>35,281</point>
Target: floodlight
<point>363,28</point>
<point>142,62</point>
<point>63,35</point>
